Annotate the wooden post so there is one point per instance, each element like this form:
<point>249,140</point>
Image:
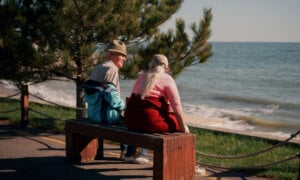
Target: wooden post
<point>24,105</point>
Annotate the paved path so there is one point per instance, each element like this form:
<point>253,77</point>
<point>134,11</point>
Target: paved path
<point>31,154</point>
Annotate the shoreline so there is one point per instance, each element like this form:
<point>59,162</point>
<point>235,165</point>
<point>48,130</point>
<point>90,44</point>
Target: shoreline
<point>194,121</point>
<point>209,124</point>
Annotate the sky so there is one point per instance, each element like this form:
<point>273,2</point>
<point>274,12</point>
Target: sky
<point>244,20</point>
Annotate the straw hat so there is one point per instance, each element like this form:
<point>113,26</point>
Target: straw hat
<point>117,46</point>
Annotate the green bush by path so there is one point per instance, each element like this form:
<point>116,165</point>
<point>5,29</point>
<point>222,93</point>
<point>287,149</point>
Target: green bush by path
<point>207,141</point>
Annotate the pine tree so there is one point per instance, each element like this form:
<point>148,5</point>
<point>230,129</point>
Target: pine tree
<point>85,27</point>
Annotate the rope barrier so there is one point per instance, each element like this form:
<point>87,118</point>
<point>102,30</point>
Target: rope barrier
<point>252,154</point>
<point>69,107</point>
<point>43,114</point>
<point>12,110</point>
<point>12,95</point>
<point>55,103</point>
<point>252,167</point>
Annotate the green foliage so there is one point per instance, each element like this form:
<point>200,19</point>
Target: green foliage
<point>28,40</point>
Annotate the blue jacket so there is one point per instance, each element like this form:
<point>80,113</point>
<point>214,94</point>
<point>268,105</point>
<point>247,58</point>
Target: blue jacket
<point>104,102</point>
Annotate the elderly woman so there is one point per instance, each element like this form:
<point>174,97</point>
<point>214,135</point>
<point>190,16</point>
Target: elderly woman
<point>154,105</point>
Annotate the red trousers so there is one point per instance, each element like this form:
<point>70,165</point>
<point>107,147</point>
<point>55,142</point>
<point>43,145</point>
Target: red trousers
<point>150,115</point>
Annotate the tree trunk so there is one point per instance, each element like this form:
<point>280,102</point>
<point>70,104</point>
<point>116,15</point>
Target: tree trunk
<point>80,103</point>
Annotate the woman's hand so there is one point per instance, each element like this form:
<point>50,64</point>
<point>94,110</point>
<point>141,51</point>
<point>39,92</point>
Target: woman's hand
<point>186,128</point>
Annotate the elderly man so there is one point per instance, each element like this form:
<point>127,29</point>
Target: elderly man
<point>108,72</point>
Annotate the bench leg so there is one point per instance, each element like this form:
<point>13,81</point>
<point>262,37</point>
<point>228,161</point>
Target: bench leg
<point>177,161</point>
<point>80,148</point>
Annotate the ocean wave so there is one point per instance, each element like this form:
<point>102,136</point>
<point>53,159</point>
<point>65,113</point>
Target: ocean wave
<point>242,120</point>
<point>254,101</point>
<point>262,122</point>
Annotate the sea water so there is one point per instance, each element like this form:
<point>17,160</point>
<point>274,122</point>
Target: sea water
<point>249,86</point>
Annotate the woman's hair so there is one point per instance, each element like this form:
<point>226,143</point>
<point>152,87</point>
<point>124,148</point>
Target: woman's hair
<point>156,69</point>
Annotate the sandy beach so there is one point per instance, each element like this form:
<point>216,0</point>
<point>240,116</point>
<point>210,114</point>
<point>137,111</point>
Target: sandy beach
<point>194,121</point>
<point>4,92</point>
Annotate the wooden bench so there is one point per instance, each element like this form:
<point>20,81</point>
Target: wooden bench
<point>174,153</point>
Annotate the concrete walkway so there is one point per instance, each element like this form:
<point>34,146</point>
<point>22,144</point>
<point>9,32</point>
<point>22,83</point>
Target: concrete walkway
<point>34,154</point>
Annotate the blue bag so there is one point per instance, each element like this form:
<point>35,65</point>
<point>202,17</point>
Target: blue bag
<point>104,102</point>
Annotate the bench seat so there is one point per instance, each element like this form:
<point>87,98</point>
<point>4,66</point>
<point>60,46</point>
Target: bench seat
<point>173,153</point>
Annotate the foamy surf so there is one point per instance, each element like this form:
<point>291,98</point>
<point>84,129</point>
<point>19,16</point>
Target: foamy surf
<point>239,121</point>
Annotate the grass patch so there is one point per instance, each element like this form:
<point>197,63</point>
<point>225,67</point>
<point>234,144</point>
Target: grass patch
<point>225,144</point>
<point>41,116</point>
<point>207,141</point>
